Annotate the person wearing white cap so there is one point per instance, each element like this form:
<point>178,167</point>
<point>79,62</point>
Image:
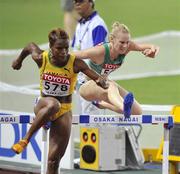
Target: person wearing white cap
<point>91,30</point>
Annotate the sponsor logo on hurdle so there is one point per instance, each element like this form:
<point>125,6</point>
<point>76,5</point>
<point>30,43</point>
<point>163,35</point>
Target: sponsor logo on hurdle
<point>112,119</point>
<point>7,119</point>
<point>159,119</point>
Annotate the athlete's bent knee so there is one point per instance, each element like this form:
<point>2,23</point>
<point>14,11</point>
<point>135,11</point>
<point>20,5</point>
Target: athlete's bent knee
<point>53,107</point>
<point>138,111</point>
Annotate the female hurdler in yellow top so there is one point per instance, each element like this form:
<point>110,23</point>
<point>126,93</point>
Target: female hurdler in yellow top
<point>58,73</point>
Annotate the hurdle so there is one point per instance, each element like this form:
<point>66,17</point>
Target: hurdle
<point>114,120</point>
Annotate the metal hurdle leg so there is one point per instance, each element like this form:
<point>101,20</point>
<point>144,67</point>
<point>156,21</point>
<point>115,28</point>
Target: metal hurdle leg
<point>44,151</point>
<point>165,165</point>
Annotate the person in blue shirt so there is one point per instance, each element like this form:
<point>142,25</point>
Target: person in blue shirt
<point>91,30</point>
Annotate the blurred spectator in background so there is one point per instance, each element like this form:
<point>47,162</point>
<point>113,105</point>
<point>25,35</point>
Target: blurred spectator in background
<point>70,17</point>
<point>90,31</point>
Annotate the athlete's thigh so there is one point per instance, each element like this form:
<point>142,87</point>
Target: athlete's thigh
<point>44,102</point>
<point>59,135</point>
<point>91,91</point>
<point>122,91</point>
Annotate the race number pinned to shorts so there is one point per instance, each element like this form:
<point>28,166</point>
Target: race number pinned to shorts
<point>55,85</point>
<point>108,68</point>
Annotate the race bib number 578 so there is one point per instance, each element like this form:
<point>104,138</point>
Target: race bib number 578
<point>55,85</point>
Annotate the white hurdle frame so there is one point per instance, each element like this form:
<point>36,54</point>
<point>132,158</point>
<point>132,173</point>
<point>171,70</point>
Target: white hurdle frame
<point>167,120</point>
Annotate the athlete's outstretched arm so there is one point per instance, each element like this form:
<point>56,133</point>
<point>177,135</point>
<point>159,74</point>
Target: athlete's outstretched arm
<point>31,49</point>
<point>80,65</point>
<point>95,54</point>
<point>148,50</point>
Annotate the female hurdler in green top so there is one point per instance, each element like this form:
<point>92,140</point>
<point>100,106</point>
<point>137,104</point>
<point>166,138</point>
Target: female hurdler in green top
<point>106,58</point>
